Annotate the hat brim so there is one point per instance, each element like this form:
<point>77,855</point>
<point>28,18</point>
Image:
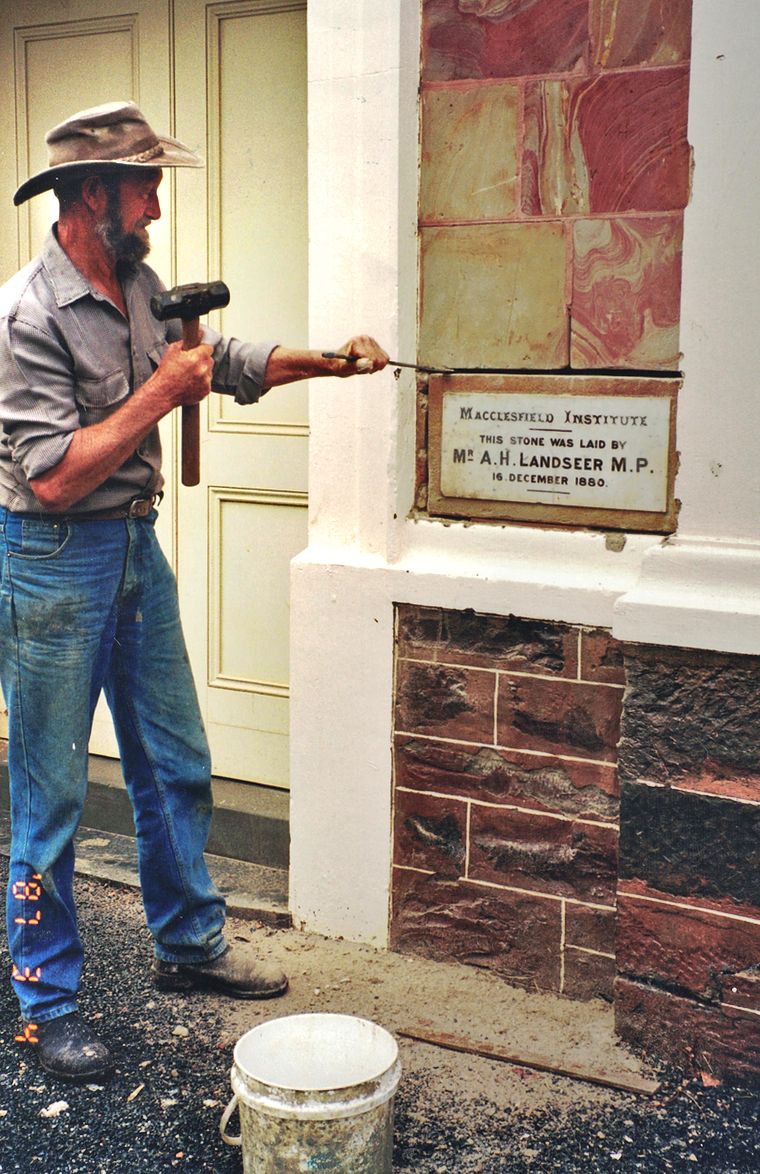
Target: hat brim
<point>172,154</point>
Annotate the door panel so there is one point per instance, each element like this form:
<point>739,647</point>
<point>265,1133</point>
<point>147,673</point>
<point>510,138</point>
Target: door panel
<point>242,526</point>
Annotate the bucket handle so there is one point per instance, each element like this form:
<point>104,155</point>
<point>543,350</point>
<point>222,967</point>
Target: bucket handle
<point>225,1122</point>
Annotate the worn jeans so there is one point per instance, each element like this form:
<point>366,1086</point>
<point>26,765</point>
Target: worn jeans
<point>87,606</point>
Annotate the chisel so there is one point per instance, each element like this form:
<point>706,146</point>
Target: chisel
<point>391,363</point>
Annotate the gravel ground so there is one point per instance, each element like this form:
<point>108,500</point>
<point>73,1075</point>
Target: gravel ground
<point>161,1111</point>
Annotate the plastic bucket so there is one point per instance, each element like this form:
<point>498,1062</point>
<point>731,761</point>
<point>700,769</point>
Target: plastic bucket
<point>314,1092</point>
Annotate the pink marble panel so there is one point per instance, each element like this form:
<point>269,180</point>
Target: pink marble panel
<point>554,175</point>
<point>626,292</point>
<point>640,32</point>
<point>503,38</point>
<point>612,143</point>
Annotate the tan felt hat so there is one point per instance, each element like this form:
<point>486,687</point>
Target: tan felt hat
<point>113,135</point>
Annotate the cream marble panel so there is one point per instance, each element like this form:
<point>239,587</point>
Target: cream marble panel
<point>554,173</point>
<point>494,296</point>
<point>469,153</point>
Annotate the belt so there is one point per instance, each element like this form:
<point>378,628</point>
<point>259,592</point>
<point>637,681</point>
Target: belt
<point>139,507</point>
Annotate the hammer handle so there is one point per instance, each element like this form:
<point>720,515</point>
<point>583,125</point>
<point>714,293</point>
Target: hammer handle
<point>191,415</point>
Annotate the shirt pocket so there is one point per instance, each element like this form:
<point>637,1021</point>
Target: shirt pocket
<point>156,353</point>
<point>98,398</point>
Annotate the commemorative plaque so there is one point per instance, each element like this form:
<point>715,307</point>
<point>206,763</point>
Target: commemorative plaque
<point>576,450</point>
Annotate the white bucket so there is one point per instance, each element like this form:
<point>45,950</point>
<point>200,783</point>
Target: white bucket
<point>315,1092</point>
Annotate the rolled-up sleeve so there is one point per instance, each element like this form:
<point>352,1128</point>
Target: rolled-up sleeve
<point>239,367</point>
<point>37,409</point>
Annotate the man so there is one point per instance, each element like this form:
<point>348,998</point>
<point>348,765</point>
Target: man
<point>87,601</point>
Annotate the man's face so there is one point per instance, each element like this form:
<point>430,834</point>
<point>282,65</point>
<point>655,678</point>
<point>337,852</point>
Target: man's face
<point>132,206</point>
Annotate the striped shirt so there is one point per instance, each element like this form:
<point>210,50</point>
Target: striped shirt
<point>69,358</point>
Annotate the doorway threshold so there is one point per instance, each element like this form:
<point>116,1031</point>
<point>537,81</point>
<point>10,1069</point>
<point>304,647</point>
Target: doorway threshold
<point>247,851</point>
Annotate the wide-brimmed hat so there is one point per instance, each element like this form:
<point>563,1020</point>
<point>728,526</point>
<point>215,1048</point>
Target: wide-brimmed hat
<point>114,135</point>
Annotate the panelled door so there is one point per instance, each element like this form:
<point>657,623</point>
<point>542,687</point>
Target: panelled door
<point>230,80</point>
<point>248,225</point>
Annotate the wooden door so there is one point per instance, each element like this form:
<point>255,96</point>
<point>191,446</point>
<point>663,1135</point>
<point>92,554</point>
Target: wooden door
<point>230,80</point>
<point>246,222</point>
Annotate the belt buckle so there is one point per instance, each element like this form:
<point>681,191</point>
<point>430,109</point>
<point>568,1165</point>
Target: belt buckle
<point>140,507</point>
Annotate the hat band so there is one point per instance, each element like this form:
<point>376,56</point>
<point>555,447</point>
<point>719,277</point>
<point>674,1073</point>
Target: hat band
<point>143,157</point>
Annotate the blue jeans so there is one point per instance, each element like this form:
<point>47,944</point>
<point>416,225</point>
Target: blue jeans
<point>84,607</point>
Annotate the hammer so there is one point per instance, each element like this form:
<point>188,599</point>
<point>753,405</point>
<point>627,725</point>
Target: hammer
<point>188,302</point>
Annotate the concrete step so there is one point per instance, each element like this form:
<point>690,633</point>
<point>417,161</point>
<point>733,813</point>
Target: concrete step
<point>251,890</point>
<point>250,823</point>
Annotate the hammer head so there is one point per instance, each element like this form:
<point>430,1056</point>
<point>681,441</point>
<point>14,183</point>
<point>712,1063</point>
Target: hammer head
<point>189,301</point>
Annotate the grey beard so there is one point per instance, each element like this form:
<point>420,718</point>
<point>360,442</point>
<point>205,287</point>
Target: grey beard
<point>127,248</point>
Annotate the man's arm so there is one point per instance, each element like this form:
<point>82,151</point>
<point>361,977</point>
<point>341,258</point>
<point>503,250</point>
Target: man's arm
<point>288,366</point>
<point>96,452</point>
<point>182,377</point>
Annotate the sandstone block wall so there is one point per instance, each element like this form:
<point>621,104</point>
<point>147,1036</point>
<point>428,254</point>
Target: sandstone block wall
<point>506,796</point>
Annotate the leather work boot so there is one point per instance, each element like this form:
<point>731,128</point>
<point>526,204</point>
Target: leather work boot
<point>67,1048</point>
<point>233,973</point>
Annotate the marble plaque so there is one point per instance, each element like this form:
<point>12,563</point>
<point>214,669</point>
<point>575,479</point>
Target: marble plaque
<point>584,448</point>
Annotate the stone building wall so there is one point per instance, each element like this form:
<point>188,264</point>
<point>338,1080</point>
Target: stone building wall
<point>584,817</point>
<point>506,796</point>
<point>573,818</point>
<point>688,934</point>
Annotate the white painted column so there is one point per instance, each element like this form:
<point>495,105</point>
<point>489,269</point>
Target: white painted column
<point>363,77</point>
<point>701,589</point>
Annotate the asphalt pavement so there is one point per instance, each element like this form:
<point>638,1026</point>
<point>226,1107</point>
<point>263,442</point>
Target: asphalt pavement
<point>453,1112</point>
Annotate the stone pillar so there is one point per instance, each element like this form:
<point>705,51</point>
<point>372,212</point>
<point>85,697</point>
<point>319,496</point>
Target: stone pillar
<point>688,948</point>
<point>688,945</point>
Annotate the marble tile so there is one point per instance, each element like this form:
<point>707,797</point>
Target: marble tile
<point>588,976</point>
<point>640,32</point>
<point>555,178</point>
<point>540,782</point>
<point>503,38</point>
<point>543,854</point>
<point>683,948</point>
<point>590,927</point>
<point>494,296</point>
<point>430,832</point>
<point>601,657</point>
<point>612,143</point>
<point>469,153</point>
<point>566,718</point>
<point>625,309</point>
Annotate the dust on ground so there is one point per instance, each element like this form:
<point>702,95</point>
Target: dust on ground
<point>453,1112</point>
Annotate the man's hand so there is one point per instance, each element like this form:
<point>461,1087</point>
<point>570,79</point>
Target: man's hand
<point>183,377</point>
<point>364,356</point>
<point>96,452</point>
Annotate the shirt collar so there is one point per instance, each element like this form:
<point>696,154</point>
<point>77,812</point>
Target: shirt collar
<point>69,285</point>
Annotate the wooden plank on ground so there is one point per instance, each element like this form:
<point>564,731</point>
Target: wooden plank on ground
<point>626,1082</point>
